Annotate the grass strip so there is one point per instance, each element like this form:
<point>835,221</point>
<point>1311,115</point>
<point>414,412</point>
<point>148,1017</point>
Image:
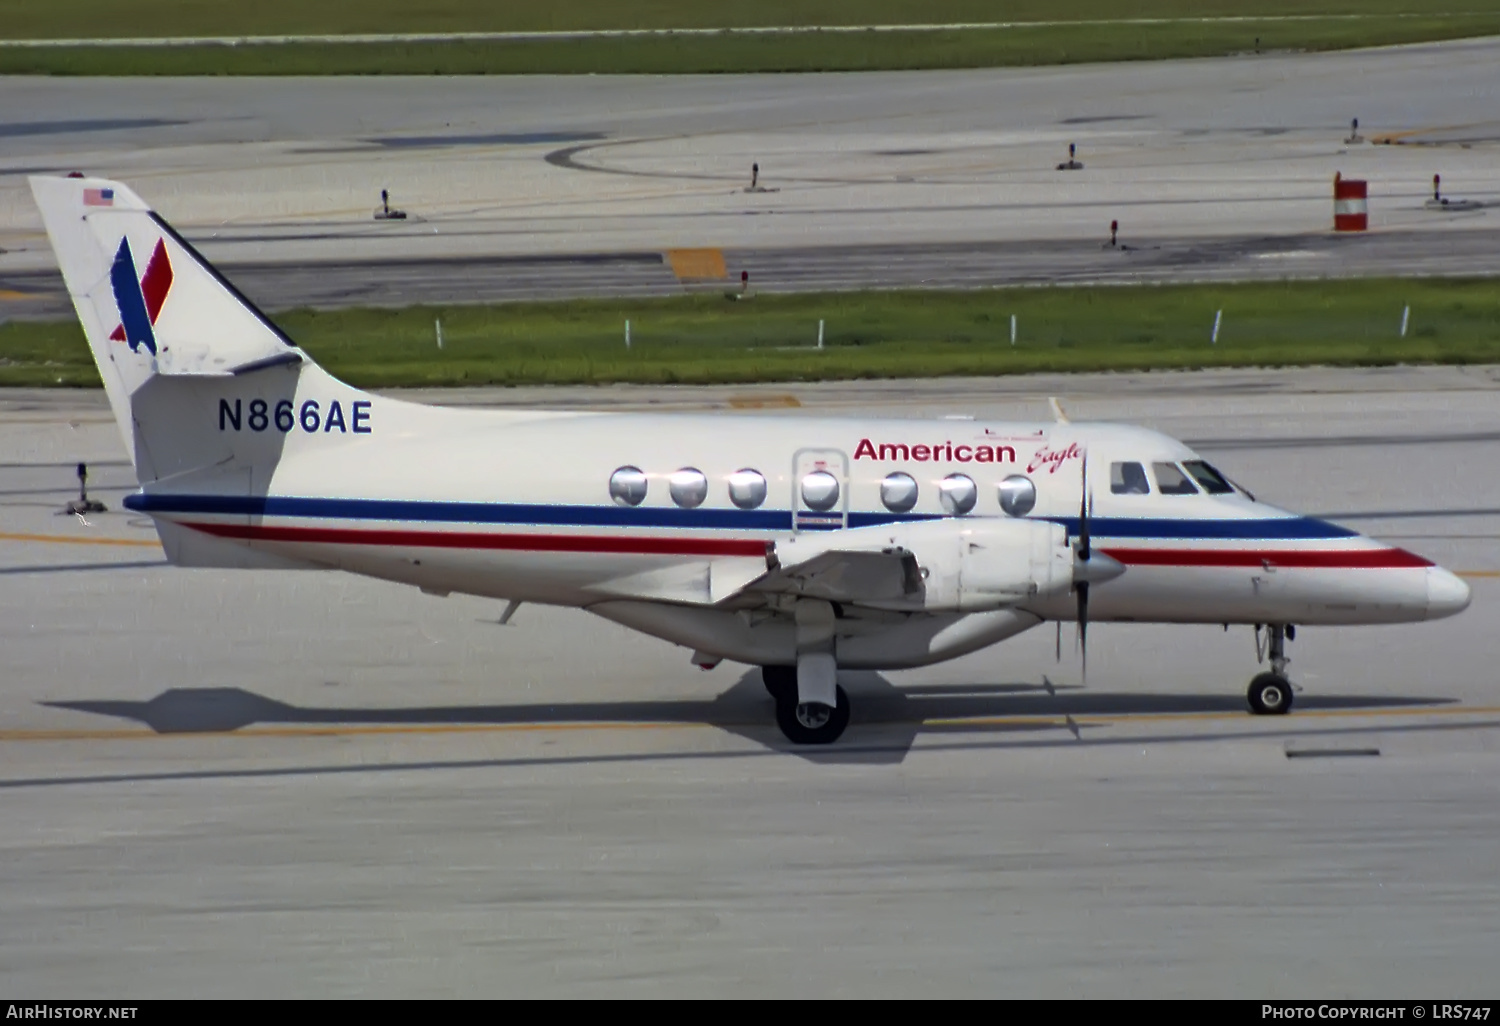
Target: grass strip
<point>57,19</point>
<point>739,53</point>
<point>708,338</point>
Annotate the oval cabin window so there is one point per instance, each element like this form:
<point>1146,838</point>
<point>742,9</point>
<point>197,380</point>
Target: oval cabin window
<point>898,492</point>
<point>820,491</point>
<point>747,488</point>
<point>627,486</point>
<point>1017,495</point>
<point>958,492</point>
<point>688,487</point>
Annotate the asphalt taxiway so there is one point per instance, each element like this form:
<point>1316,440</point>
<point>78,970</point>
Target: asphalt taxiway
<point>241,783</point>
<point>544,187</point>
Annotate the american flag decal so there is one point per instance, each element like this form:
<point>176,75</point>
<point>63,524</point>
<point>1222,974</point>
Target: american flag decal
<point>98,197</point>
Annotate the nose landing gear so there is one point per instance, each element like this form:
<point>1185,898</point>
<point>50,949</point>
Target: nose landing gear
<point>1270,694</point>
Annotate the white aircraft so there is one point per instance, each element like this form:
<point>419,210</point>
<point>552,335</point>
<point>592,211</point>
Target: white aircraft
<point>798,545</point>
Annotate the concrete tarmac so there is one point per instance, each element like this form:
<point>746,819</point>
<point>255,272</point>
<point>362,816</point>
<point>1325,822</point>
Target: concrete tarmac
<point>233,784</point>
<point>399,283</point>
<point>537,186</point>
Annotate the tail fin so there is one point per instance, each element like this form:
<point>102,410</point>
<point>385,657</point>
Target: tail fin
<point>149,303</point>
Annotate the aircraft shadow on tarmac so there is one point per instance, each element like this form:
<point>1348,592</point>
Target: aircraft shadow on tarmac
<point>885,723</point>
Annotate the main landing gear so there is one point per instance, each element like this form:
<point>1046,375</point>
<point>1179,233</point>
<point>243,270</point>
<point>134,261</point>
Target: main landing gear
<point>807,723</point>
<point>1271,693</point>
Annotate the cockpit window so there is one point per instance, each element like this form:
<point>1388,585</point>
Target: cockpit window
<point>1170,480</point>
<point>1128,479</point>
<point>1212,481</point>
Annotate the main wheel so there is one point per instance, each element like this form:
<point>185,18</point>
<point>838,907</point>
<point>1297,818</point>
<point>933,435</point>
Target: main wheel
<point>812,723</point>
<point>781,681</point>
<point>1270,695</point>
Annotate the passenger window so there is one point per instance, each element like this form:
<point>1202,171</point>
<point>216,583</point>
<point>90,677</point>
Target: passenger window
<point>898,492</point>
<point>627,486</point>
<point>1170,480</point>
<point>820,491</point>
<point>1017,495</point>
<point>1213,482</point>
<point>1128,479</point>
<point>958,493</point>
<point>688,487</point>
<point>747,488</point>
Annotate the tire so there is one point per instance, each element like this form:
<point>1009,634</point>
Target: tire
<point>780,681</point>
<point>1270,695</point>
<point>812,724</point>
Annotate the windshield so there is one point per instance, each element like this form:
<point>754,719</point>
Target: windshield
<point>1213,482</point>
<point>1170,480</point>
<point>1128,479</point>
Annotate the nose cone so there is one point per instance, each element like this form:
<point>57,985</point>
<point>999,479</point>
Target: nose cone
<point>1097,569</point>
<point>1446,593</point>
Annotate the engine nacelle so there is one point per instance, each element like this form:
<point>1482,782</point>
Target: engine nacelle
<point>952,565</point>
<point>972,565</point>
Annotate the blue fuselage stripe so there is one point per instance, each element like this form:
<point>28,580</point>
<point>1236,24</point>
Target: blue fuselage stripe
<point>541,515</point>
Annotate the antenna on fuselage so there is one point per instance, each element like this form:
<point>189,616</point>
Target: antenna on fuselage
<point>1057,410</point>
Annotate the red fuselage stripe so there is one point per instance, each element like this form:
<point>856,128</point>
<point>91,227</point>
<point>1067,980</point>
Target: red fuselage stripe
<point>507,542</point>
<point>1339,559</point>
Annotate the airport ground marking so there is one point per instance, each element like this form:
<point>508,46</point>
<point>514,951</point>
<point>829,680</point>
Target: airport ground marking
<point>1109,720</point>
<point>1390,138</point>
<point>66,539</point>
<point>697,264</point>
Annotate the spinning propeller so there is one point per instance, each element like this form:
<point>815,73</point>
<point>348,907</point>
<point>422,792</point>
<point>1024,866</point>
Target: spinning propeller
<point>1081,563</point>
<point>1087,568</point>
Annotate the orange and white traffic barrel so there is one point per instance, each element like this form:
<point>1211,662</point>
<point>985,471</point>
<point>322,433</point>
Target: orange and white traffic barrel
<point>1351,212</point>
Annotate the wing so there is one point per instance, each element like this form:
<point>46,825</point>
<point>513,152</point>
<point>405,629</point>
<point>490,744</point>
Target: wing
<point>837,575</point>
<point>847,575</point>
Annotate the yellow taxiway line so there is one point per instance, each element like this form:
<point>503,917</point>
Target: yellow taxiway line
<point>68,539</point>
<point>1397,138</point>
<point>1302,714</point>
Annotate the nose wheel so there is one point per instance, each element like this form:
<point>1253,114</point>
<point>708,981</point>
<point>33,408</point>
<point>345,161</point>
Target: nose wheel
<point>1270,694</point>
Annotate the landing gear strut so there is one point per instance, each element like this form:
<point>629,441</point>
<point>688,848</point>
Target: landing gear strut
<point>1270,694</point>
<point>809,723</point>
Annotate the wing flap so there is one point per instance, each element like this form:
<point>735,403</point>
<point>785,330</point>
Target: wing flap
<point>848,575</point>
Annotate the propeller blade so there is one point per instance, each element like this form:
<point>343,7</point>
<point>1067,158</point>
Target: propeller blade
<point>1083,626</point>
<point>1059,640</point>
<point>1084,553</point>
<point>1084,509</point>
